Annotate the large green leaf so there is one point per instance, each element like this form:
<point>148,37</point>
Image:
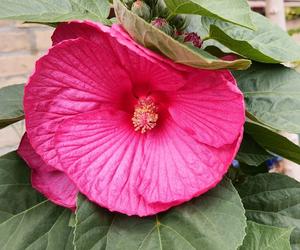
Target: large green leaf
<point>54,10</point>
<point>272,95</point>
<point>214,221</point>
<point>208,44</point>
<point>273,199</point>
<point>151,37</point>
<point>251,152</point>
<point>263,237</point>
<point>27,220</point>
<point>268,43</point>
<point>272,141</point>
<point>234,11</point>
<point>92,224</point>
<point>11,104</point>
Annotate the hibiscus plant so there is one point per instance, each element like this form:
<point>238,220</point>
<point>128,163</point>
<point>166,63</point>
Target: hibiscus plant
<point>134,118</point>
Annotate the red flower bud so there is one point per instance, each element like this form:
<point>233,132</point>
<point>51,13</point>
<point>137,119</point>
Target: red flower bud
<point>193,38</point>
<point>163,25</point>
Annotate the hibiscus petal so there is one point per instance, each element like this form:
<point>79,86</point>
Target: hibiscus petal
<point>120,33</point>
<point>74,77</point>
<point>55,185</point>
<point>85,29</point>
<point>103,155</point>
<point>140,63</point>
<point>33,160</point>
<point>149,68</point>
<point>210,107</point>
<point>94,32</point>
<point>177,167</point>
<point>134,173</point>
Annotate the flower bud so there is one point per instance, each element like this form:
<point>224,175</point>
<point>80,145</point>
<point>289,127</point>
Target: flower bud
<point>141,9</point>
<point>163,25</point>
<point>193,38</point>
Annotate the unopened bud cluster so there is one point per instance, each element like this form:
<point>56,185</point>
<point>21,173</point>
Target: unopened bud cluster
<point>159,17</point>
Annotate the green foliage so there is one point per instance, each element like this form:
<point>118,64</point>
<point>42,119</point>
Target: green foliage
<point>234,11</point>
<point>274,200</point>
<point>54,10</point>
<point>262,237</point>
<point>272,141</point>
<point>251,153</point>
<point>27,220</point>
<point>214,221</point>
<point>272,95</point>
<point>11,104</point>
<point>253,170</point>
<point>151,37</point>
<point>267,43</point>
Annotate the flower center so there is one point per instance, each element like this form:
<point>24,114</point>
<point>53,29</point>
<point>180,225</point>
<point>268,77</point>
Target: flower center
<point>145,115</point>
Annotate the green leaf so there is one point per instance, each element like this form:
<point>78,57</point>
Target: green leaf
<point>234,11</point>
<point>263,237</point>
<point>268,43</point>
<point>54,10</point>
<point>273,199</point>
<point>272,95</point>
<point>195,25</point>
<point>11,104</point>
<point>27,220</point>
<point>272,141</point>
<point>97,8</point>
<point>92,224</point>
<point>253,170</point>
<point>153,38</point>
<point>251,152</point>
<point>214,221</point>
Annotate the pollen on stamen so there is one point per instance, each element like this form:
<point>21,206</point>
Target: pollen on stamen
<point>145,115</point>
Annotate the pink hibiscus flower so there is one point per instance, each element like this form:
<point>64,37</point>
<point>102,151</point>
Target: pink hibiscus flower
<point>134,131</point>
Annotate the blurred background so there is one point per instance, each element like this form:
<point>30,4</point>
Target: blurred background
<point>22,44</point>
